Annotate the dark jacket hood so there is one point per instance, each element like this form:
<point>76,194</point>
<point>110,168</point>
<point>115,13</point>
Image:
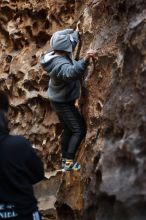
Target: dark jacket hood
<point>3,135</point>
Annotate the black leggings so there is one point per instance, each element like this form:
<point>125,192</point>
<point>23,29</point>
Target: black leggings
<point>73,125</point>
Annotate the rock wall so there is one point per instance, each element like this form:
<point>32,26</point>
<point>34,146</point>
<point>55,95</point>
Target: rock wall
<point>25,30</point>
<point>111,184</point>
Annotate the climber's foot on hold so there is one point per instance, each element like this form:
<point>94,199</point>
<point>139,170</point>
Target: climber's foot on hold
<point>71,165</point>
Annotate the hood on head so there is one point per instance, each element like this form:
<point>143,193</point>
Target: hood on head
<point>64,40</point>
<point>46,57</point>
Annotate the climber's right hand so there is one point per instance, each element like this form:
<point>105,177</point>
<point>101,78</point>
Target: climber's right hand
<point>90,53</point>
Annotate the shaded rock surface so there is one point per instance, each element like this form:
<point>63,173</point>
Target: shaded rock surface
<point>112,182</point>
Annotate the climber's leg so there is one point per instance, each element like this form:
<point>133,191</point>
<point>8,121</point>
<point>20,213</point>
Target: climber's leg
<point>73,125</point>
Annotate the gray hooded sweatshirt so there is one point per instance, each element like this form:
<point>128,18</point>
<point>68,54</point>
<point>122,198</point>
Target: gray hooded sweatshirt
<point>64,72</point>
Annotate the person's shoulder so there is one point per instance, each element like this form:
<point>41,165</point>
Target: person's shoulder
<point>17,145</point>
<point>18,139</point>
<point>61,60</point>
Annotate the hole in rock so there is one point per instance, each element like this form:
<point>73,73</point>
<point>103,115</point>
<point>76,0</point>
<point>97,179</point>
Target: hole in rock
<point>98,176</point>
<point>30,85</point>
<point>21,92</point>
<point>28,30</point>
<point>108,131</point>
<point>118,133</point>
<point>142,129</point>
<point>8,58</point>
<point>41,39</point>
<point>41,15</point>
<point>47,24</point>
<point>132,10</point>
<point>122,7</point>
<point>99,106</point>
<point>35,25</point>
<point>8,12</point>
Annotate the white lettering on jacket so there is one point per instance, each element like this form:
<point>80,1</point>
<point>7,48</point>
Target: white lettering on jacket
<point>8,214</point>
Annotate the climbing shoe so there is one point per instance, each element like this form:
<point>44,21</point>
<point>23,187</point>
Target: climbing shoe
<point>71,165</point>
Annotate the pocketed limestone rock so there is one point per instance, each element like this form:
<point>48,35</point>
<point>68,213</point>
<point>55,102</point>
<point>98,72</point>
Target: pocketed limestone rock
<point>111,183</point>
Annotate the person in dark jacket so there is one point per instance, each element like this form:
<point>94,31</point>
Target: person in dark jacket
<point>20,168</point>
<point>64,89</point>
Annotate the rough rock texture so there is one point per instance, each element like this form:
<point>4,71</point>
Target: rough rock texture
<point>112,182</point>
<point>25,28</point>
